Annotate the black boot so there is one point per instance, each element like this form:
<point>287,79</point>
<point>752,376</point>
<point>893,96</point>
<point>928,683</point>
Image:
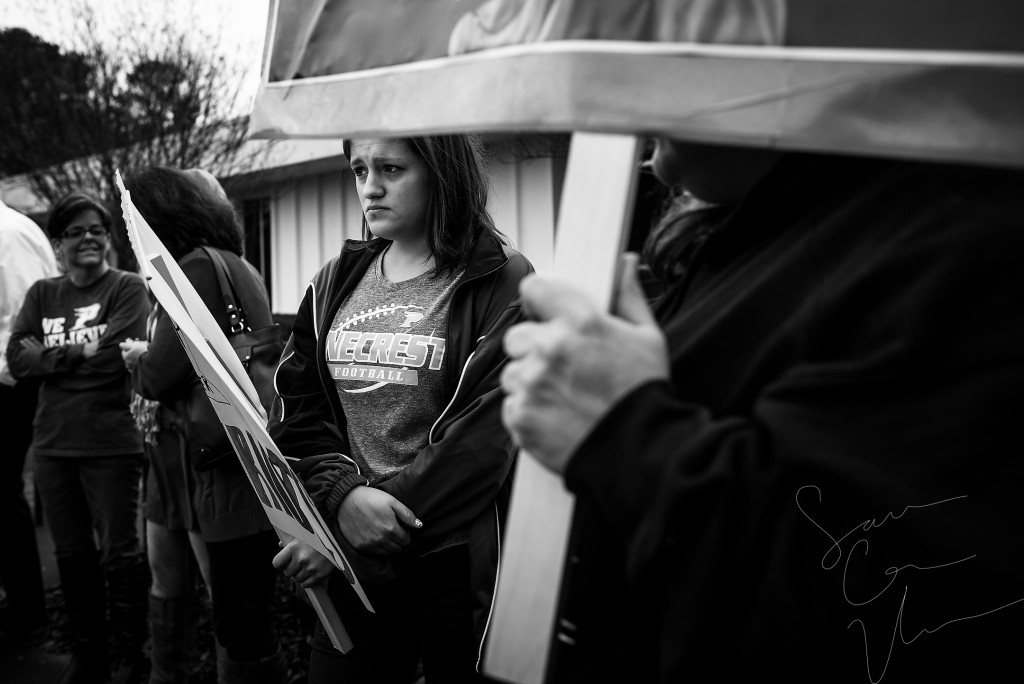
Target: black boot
<point>81,581</point>
<point>127,595</point>
<point>172,627</point>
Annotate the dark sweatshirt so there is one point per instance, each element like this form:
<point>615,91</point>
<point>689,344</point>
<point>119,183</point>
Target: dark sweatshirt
<point>828,489</point>
<point>83,403</point>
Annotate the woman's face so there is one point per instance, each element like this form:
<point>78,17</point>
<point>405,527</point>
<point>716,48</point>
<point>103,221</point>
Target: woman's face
<point>394,187</point>
<point>85,241</point>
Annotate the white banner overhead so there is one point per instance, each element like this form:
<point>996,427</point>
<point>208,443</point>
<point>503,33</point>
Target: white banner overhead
<point>926,79</point>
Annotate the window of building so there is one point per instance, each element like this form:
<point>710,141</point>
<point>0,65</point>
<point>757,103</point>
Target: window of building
<point>256,218</point>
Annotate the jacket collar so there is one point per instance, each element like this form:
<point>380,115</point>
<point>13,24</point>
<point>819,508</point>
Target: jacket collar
<point>486,254</point>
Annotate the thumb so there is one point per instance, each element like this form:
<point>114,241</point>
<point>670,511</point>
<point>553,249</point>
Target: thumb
<point>404,515</point>
<point>630,300</point>
<point>281,558</point>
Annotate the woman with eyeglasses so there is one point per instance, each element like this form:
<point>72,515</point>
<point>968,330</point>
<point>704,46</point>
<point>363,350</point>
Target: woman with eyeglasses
<point>86,448</point>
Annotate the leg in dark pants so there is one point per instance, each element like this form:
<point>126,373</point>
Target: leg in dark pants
<point>425,614</point>
<point>19,563</point>
<point>242,583</point>
<point>81,577</point>
<point>83,496</point>
<point>112,486</point>
<point>81,580</point>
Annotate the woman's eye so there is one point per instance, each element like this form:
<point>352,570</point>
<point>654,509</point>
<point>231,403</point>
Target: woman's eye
<point>358,171</point>
<point>390,168</point>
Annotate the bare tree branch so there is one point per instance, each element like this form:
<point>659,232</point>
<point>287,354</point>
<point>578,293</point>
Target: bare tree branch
<point>141,94</point>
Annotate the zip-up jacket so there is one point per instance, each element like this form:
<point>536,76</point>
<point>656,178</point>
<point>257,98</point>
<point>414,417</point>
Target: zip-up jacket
<point>460,480</point>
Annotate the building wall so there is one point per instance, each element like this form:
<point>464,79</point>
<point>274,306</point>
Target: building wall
<point>312,215</point>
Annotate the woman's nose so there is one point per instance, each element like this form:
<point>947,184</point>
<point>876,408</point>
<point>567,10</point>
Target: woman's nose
<point>372,187</point>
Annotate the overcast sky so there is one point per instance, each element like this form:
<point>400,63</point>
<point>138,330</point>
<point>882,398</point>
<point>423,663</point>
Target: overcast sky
<point>240,23</point>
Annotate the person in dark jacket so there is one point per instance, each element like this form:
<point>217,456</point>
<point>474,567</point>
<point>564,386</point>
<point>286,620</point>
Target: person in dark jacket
<point>803,465</point>
<point>391,416</point>
<point>86,448</point>
<point>193,512</point>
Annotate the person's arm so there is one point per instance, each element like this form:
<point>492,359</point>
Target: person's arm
<point>81,365</point>
<point>129,306</point>
<point>23,265</point>
<point>26,355</point>
<point>305,431</point>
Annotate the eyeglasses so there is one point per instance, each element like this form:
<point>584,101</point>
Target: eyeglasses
<point>77,233</point>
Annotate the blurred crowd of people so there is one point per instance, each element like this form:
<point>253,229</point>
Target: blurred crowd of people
<point>92,373</point>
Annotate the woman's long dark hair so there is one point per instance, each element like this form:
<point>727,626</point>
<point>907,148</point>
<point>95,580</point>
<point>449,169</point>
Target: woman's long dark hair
<point>185,210</point>
<point>457,211</point>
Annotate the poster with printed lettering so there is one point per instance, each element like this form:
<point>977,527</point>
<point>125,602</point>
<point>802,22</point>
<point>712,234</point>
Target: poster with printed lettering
<point>234,398</point>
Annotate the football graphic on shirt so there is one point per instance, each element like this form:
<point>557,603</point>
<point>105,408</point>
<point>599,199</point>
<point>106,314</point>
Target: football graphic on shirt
<point>373,347</point>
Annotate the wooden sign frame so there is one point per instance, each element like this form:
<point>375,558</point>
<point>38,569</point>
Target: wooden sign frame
<point>596,211</point>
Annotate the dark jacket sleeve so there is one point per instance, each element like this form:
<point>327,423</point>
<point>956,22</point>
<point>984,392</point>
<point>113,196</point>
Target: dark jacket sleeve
<point>470,455</point>
<point>305,430</point>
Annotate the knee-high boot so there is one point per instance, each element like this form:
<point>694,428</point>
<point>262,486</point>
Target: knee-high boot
<point>172,628</point>
<point>128,591</point>
<point>81,580</point>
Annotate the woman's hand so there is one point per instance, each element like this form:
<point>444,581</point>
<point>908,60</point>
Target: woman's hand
<point>31,344</point>
<point>302,563</point>
<point>131,350</point>
<point>572,365</point>
<point>375,522</point>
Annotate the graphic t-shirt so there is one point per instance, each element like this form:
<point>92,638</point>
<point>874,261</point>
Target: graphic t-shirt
<point>386,353</point>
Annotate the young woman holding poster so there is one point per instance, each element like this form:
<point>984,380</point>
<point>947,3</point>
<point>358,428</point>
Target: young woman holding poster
<point>209,510</point>
<point>391,411</point>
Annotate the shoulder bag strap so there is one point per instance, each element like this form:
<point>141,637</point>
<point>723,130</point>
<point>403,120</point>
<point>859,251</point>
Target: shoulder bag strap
<point>236,316</point>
